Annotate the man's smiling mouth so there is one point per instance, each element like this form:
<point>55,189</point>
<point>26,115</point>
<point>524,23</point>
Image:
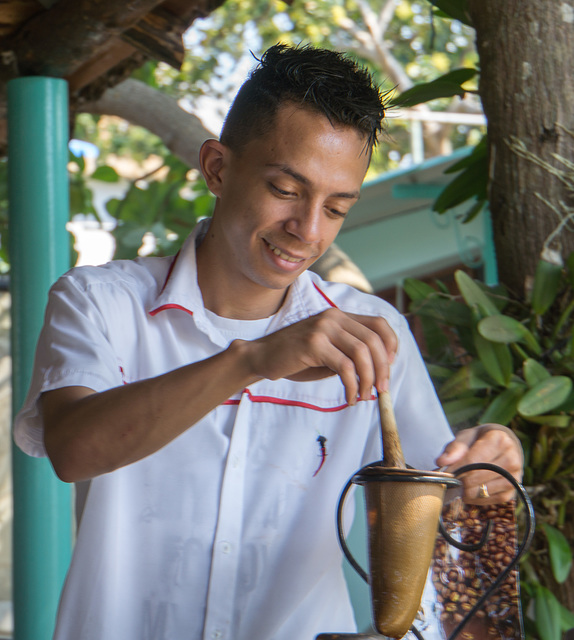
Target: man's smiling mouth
<point>282,255</point>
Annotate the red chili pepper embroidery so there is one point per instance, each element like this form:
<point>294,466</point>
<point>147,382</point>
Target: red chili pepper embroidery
<point>322,452</point>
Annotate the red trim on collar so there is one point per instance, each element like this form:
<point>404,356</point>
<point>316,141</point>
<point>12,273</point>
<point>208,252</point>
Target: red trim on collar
<point>325,296</point>
<point>170,270</point>
<point>163,307</point>
<point>289,403</point>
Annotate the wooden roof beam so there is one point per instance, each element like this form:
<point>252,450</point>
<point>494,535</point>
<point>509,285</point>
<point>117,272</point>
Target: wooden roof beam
<point>159,35</point>
<point>58,41</point>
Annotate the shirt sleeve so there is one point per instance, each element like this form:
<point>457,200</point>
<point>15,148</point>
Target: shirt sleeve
<point>422,424</point>
<point>72,350</point>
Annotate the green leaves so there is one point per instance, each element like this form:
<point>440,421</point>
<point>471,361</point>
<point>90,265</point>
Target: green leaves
<point>547,282</point>
<point>560,552</point>
<point>534,372</point>
<point>506,330</point>
<point>456,9</point>
<point>503,408</point>
<point>105,174</point>
<point>517,370</point>
<point>469,184</point>
<point>547,610</point>
<point>446,86</point>
<point>545,396</point>
<point>473,295</point>
<point>496,358</point>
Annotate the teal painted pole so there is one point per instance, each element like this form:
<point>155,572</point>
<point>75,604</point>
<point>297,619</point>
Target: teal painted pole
<point>490,264</point>
<point>39,253</point>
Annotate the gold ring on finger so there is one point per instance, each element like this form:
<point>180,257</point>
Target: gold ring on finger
<point>483,491</point>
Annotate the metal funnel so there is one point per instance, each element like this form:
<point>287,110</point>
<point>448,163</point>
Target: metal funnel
<point>403,510</point>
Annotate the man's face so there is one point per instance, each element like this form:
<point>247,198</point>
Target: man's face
<point>283,199</point>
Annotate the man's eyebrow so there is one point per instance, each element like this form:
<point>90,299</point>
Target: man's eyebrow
<point>352,195</point>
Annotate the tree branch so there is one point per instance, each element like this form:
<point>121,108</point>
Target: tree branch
<point>181,132</point>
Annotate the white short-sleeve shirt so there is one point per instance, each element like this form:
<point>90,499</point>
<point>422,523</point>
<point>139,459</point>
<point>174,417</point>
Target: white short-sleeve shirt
<point>228,532</point>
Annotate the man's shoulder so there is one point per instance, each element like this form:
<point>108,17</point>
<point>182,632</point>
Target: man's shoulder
<point>140,273</point>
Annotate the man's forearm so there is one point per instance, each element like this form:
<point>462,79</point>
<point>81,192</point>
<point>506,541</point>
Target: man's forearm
<point>88,433</point>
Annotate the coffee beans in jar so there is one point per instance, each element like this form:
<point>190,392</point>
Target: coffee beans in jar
<point>460,577</point>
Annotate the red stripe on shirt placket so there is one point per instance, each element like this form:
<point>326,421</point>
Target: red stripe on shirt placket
<point>286,402</point>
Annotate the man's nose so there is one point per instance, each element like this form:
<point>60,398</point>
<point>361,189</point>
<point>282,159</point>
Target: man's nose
<point>305,223</point>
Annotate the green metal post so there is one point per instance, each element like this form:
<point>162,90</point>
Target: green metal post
<point>39,253</point>
<point>490,264</point>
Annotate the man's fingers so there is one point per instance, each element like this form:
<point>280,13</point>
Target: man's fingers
<point>312,373</point>
<point>382,344</point>
<point>355,347</point>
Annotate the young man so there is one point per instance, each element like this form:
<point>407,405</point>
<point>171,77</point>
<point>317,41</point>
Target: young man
<point>208,404</point>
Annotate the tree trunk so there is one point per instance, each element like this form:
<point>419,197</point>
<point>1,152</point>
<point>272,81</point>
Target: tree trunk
<point>527,90</point>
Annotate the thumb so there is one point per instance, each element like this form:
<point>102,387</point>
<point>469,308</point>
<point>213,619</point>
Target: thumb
<point>457,448</point>
<point>453,453</point>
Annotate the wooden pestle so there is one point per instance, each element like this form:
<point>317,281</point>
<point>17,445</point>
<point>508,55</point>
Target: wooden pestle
<point>392,450</point>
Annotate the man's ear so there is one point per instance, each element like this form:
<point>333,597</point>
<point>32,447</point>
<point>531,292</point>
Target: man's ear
<point>211,161</point>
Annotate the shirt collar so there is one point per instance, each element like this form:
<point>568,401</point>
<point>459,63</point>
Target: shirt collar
<point>181,290</point>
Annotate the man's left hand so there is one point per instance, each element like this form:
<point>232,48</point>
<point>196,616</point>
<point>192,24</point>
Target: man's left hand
<point>490,443</point>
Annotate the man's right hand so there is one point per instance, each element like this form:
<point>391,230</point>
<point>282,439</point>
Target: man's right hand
<point>359,349</point>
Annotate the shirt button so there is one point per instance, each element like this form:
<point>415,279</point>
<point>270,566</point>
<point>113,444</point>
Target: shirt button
<point>217,634</point>
<point>225,547</point>
<point>235,462</point>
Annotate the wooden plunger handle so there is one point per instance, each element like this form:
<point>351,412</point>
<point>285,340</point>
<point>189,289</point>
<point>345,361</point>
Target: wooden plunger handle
<point>392,450</point>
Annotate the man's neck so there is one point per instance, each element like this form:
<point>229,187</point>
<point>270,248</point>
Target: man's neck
<point>234,298</point>
<point>245,308</point>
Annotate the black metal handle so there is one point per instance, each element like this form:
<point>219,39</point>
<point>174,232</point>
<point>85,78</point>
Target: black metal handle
<point>356,566</point>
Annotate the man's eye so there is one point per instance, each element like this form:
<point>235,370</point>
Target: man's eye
<point>280,191</point>
<point>336,212</point>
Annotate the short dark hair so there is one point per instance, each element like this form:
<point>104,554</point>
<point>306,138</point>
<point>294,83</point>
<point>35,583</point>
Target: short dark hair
<point>322,80</point>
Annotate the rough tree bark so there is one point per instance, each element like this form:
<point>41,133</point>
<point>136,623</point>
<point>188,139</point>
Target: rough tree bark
<point>527,90</point>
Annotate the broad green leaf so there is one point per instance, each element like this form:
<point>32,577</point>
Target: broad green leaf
<point>506,330</point>
<point>560,552</point>
<point>473,295</point>
<point>437,372</point>
<point>463,409</point>
<point>474,211</point>
<point>503,408</point>
<point>570,268</point>
<point>417,290</point>
<point>547,612</point>
<point>470,183</point>
<point>546,285</point>
<point>436,341</point>
<point>557,421</point>
<point>456,9</point>
<point>467,378</point>
<point>545,396</point>
<point>566,619</point>
<point>479,152</point>
<point>496,358</point>
<point>105,174</point>
<point>568,405</point>
<point>444,310</point>
<point>534,372</point>
<point>446,86</point>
